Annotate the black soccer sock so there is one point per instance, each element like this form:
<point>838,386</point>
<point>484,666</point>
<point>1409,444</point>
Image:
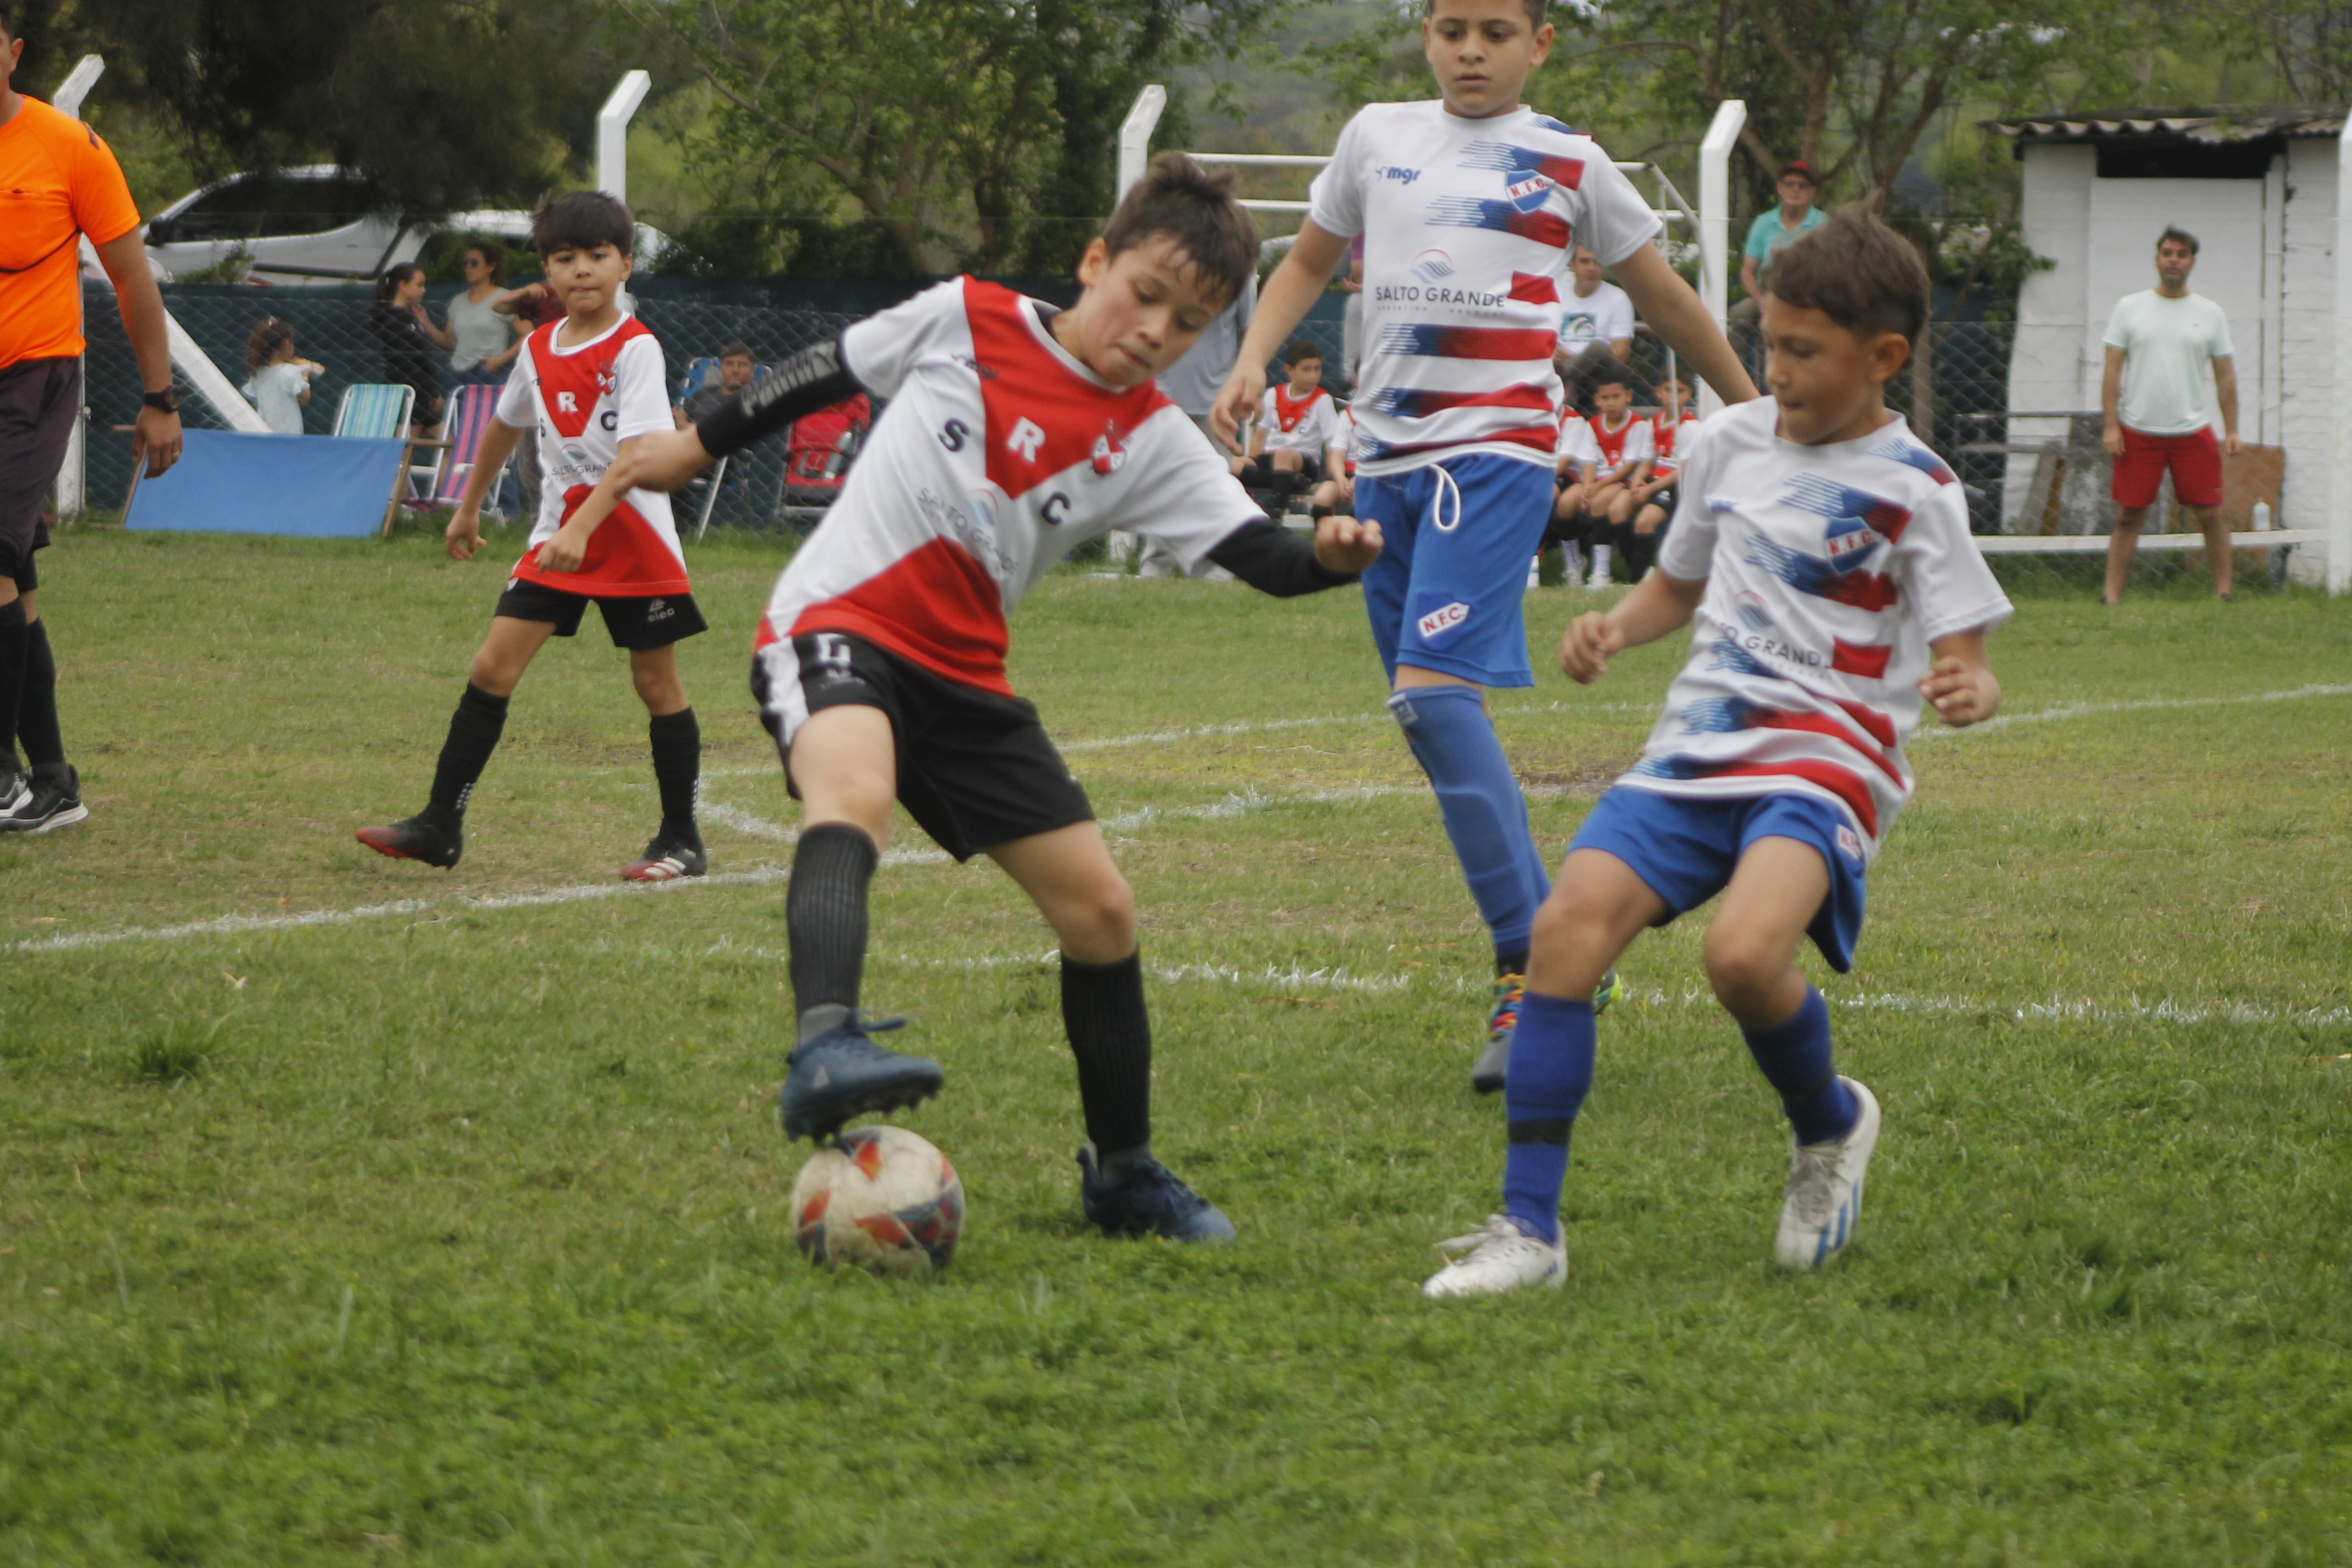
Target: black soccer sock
<point>677,763</point>
<point>1110,1034</point>
<point>824,922</point>
<point>1319,511</point>
<point>474,731</point>
<point>37,710</point>
<point>13,640</point>
<point>1510,963</point>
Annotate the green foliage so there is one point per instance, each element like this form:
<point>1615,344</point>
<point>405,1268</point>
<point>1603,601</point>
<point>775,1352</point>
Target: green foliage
<point>407,1272</point>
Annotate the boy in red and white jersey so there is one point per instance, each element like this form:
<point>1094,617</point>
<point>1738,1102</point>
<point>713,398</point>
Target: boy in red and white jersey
<point>1337,492</point>
<point>1297,423</point>
<point>1824,553</point>
<point>1624,440</point>
<point>591,384</point>
<point>1013,433</point>
<point>1653,499</point>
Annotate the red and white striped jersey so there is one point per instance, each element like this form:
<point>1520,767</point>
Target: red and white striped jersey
<point>583,401</point>
<point>1307,424</point>
<point>1468,225</point>
<point>1663,431</point>
<point>1830,572</point>
<point>997,455</point>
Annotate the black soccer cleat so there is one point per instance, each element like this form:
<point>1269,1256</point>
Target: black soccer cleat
<point>842,1074</point>
<point>1150,1202</point>
<point>665,861</point>
<point>415,838</point>
<point>50,799</point>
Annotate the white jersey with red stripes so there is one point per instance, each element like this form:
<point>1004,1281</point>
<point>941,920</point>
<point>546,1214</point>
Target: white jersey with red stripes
<point>582,400</point>
<point>998,454</point>
<point>1468,225</point>
<point>1307,424</point>
<point>1830,572</point>
<point>1663,431</point>
<point>1631,442</point>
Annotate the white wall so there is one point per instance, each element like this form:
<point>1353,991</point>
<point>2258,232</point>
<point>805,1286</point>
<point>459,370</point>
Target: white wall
<point>2102,236</point>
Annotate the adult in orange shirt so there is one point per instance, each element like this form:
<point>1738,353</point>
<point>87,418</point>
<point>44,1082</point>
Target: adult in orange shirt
<point>57,183</point>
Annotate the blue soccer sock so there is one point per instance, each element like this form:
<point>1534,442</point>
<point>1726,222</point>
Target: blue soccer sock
<point>1543,1089</point>
<point>1795,1057</point>
<point>1478,796</point>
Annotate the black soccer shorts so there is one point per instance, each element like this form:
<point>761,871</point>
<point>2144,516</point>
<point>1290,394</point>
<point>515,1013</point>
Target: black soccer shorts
<point>975,768</point>
<point>637,623</point>
<point>39,398</point>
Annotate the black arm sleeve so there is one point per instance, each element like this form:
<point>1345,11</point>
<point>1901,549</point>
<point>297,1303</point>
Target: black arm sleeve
<point>816,377</point>
<point>1272,560</point>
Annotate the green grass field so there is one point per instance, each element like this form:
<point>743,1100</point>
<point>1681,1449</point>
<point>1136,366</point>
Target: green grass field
<point>355,1212</point>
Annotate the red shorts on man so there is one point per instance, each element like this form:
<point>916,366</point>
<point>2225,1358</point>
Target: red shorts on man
<point>2195,460</point>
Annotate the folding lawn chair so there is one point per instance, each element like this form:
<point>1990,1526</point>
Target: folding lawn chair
<point>470,410</point>
<point>379,411</point>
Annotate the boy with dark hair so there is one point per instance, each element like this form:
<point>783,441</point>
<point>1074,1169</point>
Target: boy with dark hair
<point>1825,554</point>
<point>1298,426</point>
<point>1013,433</point>
<point>593,385</point>
<point>1637,540</point>
<point>1623,448</point>
<point>1469,205</point>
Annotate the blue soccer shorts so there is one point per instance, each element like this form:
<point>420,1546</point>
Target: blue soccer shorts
<point>1458,537</point>
<point>1687,849</point>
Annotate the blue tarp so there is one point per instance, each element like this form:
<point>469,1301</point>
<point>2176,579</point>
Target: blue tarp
<point>229,482</point>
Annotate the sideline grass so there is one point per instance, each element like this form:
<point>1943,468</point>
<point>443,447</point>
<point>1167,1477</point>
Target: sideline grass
<point>452,1236</point>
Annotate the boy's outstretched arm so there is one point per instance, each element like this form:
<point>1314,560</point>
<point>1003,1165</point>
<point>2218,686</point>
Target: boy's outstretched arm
<point>1658,604</point>
<point>1272,560</point>
<point>463,534</point>
<point>1674,311</point>
<point>1960,685</point>
<point>1282,304</point>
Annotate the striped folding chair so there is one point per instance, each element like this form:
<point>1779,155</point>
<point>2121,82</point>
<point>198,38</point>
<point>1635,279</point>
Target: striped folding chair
<point>470,410</point>
<point>378,411</point>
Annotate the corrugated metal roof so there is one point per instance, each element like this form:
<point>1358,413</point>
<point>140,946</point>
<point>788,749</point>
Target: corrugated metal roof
<point>2210,126</point>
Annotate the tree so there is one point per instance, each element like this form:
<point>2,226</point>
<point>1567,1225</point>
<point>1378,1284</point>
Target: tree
<point>979,129</point>
<point>444,103</point>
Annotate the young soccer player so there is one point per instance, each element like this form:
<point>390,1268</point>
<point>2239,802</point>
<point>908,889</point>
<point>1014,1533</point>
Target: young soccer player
<point>1825,554</point>
<point>1013,434</point>
<point>591,385</point>
<point>1468,205</point>
<point>1290,447</point>
<point>1624,443</point>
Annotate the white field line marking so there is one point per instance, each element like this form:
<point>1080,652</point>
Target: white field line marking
<point>2091,709</point>
<point>1293,975</point>
<point>1263,726</point>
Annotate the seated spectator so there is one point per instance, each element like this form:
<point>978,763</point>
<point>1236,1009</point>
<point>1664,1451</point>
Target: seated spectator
<point>277,379</point>
<point>485,338</point>
<point>1338,493</point>
<point>399,321</point>
<point>1289,443</point>
<point>736,370</point>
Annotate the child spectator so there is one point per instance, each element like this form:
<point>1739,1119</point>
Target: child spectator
<point>1825,554</point>
<point>1467,204</point>
<point>1290,447</point>
<point>1572,475</point>
<point>1653,498</point>
<point>880,663</point>
<point>278,381</point>
<point>1336,496</point>
<point>590,386</point>
<point>1622,441</point>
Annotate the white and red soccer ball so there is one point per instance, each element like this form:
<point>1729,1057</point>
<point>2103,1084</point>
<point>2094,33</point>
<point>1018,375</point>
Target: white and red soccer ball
<point>881,1199</point>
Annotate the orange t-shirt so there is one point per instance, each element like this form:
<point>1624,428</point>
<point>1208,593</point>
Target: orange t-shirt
<point>58,182</point>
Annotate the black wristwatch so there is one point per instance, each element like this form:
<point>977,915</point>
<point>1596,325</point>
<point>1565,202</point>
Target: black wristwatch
<point>164,402</point>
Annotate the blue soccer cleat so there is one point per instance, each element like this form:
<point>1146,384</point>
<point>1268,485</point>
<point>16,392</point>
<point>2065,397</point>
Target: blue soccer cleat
<point>1150,1202</point>
<point>842,1073</point>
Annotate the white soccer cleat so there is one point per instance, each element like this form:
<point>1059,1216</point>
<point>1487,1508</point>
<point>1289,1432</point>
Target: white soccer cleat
<point>1497,1259</point>
<point>1824,1193</point>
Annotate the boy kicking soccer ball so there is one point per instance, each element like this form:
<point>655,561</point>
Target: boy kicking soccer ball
<point>1825,554</point>
<point>591,384</point>
<point>1469,206</point>
<point>1013,434</point>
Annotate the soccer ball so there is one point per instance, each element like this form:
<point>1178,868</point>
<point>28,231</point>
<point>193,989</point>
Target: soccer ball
<point>881,1199</point>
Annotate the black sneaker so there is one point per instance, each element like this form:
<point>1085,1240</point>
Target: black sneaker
<point>50,799</point>
<point>417,838</point>
<point>842,1074</point>
<point>1150,1202</point>
<point>15,789</point>
<point>665,861</point>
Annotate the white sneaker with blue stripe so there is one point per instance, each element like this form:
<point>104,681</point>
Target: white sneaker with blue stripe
<point>1498,1257</point>
<point>1824,1193</point>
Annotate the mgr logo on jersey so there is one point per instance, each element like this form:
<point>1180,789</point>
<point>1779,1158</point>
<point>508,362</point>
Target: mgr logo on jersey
<point>1850,542</point>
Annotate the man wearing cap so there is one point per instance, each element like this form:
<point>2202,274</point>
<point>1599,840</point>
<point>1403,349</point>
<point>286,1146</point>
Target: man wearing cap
<point>1775,227</point>
<point>57,183</point>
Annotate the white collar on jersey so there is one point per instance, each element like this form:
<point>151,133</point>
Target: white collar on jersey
<point>555,345</point>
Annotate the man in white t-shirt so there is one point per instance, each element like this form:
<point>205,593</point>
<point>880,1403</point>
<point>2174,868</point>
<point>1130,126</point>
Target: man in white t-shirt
<point>1596,329</point>
<point>2153,395</point>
